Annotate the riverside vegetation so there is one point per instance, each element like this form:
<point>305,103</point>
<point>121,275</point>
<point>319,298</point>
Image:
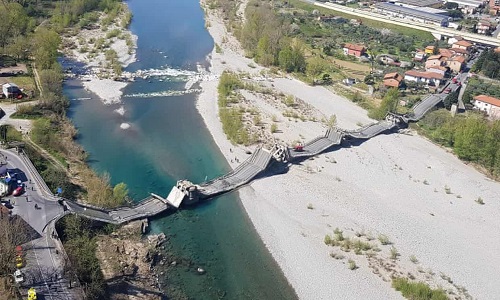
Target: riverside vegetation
<point>51,142</point>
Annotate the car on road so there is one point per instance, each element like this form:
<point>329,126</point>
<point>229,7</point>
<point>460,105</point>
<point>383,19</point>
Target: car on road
<point>447,90</point>
<point>18,276</point>
<point>19,262</point>
<point>32,294</point>
<point>18,191</point>
<point>454,80</point>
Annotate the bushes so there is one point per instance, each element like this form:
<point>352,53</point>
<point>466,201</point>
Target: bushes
<point>388,104</point>
<point>473,138</point>
<point>80,245</point>
<point>232,124</point>
<point>417,290</point>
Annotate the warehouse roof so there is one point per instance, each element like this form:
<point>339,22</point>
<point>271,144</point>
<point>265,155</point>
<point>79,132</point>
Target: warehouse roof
<point>410,12</point>
<point>421,3</point>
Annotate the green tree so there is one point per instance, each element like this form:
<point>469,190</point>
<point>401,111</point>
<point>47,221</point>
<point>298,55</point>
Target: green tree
<point>315,66</point>
<point>264,53</point>
<point>388,104</point>
<point>286,60</point>
<point>120,192</point>
<point>470,139</point>
<point>13,22</point>
<point>45,45</point>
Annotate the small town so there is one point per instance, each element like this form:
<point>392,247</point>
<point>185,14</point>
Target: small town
<point>249,149</point>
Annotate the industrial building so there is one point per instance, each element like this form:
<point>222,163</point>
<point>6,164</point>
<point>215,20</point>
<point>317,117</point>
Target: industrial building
<point>420,3</point>
<point>411,14</point>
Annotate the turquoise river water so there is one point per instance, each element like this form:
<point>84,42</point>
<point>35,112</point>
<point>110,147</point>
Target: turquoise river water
<point>167,140</point>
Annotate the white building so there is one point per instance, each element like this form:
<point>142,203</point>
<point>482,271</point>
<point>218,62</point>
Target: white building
<point>488,105</point>
<point>430,78</point>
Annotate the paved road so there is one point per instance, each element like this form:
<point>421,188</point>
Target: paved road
<point>44,254</point>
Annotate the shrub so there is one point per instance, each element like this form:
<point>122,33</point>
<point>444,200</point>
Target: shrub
<point>447,189</point>
<point>274,128</point>
<point>339,236</point>
<point>383,239</point>
<point>417,290</point>
<point>328,239</point>
<point>414,259</point>
<point>480,201</point>
<point>310,206</point>
<point>351,264</point>
<point>394,253</point>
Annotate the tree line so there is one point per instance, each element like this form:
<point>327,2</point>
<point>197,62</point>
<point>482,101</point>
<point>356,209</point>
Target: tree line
<point>488,63</point>
<point>472,138</point>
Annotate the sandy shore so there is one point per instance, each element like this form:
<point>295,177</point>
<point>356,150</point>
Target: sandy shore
<point>399,185</point>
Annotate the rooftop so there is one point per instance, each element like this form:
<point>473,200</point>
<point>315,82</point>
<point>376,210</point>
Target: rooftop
<point>471,3</point>
<point>437,56</point>
<point>428,75</point>
<point>458,58</point>
<point>411,12</point>
<point>488,99</point>
<point>420,3</point>
<point>463,43</point>
<point>354,47</point>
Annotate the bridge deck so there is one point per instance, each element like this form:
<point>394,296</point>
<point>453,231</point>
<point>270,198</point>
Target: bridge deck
<point>371,130</point>
<point>423,107</point>
<point>245,172</point>
<point>146,208</point>
<point>318,144</point>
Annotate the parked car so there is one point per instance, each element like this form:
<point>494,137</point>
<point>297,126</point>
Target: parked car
<point>32,294</point>
<point>18,276</point>
<point>19,262</point>
<point>447,90</point>
<point>18,191</point>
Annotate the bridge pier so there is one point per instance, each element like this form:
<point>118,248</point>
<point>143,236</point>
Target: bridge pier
<point>190,190</point>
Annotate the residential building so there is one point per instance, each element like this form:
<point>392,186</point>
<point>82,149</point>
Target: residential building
<point>484,27</point>
<point>354,50</point>
<point>454,39</point>
<point>429,50</point>
<point>446,53</point>
<point>419,56</point>
<point>456,63</point>
<point>399,11</point>
<point>431,78</point>
<point>488,105</point>
<point>439,70</point>
<point>494,6</point>
<point>463,45</point>
<point>393,80</point>
<point>434,61</point>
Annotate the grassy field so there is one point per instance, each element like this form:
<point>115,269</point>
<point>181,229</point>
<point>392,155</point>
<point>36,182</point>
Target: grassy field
<point>368,22</point>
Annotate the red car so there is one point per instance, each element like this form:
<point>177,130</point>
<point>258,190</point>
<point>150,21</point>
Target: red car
<point>447,91</point>
<point>18,191</point>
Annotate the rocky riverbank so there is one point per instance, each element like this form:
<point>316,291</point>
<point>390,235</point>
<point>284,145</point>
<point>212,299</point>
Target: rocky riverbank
<point>104,49</point>
<point>128,261</point>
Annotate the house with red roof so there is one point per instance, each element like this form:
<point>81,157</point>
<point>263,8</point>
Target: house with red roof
<point>354,50</point>
<point>456,63</point>
<point>463,44</point>
<point>489,105</point>
<point>393,80</point>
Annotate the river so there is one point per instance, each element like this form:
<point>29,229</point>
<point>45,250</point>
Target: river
<point>167,140</point>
